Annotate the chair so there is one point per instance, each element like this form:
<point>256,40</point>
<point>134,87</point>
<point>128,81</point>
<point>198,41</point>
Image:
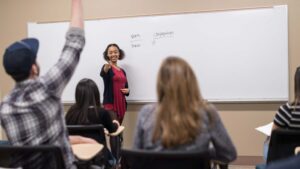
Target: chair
<point>85,151</point>
<point>143,159</point>
<point>31,157</point>
<point>292,162</point>
<point>282,144</point>
<point>96,132</point>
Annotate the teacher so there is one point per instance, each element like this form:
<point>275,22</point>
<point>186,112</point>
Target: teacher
<point>115,82</point>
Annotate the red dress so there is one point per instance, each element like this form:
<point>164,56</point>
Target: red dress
<point>119,105</point>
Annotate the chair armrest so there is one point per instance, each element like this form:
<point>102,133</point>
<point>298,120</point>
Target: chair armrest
<point>118,132</point>
<point>86,151</point>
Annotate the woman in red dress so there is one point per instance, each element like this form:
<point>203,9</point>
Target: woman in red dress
<point>115,82</point>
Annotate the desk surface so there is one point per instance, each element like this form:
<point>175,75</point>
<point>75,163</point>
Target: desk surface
<point>86,151</point>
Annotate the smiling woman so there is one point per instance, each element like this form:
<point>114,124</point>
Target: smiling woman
<point>115,82</point>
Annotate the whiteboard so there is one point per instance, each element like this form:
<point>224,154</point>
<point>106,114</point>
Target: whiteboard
<point>237,55</point>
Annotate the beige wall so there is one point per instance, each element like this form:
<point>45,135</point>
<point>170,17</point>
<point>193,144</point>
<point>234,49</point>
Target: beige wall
<point>240,119</point>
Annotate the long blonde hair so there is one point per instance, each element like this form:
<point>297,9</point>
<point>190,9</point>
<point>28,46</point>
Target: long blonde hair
<point>178,117</point>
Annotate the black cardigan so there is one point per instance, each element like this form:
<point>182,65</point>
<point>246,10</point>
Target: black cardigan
<point>108,94</point>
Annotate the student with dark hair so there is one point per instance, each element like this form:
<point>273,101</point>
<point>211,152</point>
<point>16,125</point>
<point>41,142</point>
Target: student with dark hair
<point>182,119</point>
<point>32,113</point>
<point>87,110</point>
<point>287,116</point>
<point>115,82</point>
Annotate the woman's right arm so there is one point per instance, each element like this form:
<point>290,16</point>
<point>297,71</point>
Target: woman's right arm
<point>104,70</point>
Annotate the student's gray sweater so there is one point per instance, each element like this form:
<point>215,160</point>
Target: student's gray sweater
<point>213,139</point>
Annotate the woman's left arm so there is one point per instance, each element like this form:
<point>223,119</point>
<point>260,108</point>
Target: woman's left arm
<point>225,150</point>
<point>125,90</point>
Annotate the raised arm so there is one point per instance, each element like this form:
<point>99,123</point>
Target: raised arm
<point>59,75</point>
<point>77,14</point>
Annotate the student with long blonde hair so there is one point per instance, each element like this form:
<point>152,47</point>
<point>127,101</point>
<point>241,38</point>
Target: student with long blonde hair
<point>182,119</point>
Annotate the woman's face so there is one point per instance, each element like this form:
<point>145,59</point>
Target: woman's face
<point>113,54</point>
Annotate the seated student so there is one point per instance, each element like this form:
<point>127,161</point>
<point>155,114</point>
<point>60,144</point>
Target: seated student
<point>182,119</point>
<point>287,116</point>
<point>31,114</point>
<point>87,110</point>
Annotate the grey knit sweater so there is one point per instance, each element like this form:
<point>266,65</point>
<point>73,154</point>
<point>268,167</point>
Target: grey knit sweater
<point>213,139</point>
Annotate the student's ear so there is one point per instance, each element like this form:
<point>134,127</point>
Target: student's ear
<point>35,71</point>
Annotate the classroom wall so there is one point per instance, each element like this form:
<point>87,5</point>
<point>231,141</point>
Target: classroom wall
<point>239,118</point>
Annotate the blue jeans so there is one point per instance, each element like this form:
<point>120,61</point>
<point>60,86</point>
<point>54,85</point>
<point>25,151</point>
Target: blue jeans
<point>266,148</point>
<point>4,142</point>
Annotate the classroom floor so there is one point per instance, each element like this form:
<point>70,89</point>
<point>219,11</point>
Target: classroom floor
<point>241,167</point>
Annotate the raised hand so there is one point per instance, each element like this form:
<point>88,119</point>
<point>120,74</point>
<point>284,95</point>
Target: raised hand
<point>107,66</point>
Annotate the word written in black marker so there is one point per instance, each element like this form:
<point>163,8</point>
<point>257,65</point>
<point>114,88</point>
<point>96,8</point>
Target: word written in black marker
<point>135,40</point>
<point>135,45</point>
<point>159,35</point>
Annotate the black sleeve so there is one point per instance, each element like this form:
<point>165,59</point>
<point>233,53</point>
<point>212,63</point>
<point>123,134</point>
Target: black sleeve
<point>102,73</point>
<point>126,84</point>
<point>107,121</point>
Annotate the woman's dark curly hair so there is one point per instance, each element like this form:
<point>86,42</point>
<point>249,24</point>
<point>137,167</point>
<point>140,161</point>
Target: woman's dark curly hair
<point>105,53</point>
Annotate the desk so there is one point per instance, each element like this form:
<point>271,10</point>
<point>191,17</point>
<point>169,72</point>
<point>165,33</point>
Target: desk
<point>86,151</point>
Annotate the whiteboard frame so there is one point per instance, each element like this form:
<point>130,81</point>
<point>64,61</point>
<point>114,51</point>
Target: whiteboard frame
<point>243,100</point>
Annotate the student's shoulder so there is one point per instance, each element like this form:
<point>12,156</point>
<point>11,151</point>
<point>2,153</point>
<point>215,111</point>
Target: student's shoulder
<point>6,105</point>
<point>210,108</point>
<point>147,110</point>
<point>211,113</point>
<point>6,99</point>
<point>72,109</point>
<point>103,112</point>
<point>288,106</point>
